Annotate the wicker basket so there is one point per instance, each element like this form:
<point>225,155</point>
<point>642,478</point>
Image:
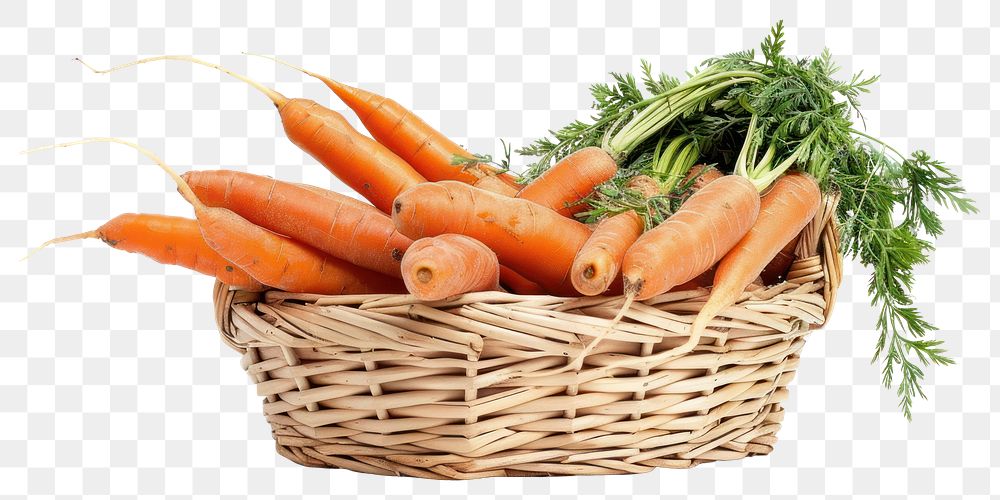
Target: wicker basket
<point>477,386</point>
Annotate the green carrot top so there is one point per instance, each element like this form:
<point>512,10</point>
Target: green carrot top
<point>760,118</point>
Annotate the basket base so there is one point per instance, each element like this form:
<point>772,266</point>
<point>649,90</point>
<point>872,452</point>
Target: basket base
<point>733,438</point>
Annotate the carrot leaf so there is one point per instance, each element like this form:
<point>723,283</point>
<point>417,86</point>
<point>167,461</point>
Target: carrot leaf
<point>873,186</point>
<point>759,118</point>
<point>503,165</point>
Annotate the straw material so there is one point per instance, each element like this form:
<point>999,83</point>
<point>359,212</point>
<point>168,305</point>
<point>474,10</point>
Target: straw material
<point>478,385</point>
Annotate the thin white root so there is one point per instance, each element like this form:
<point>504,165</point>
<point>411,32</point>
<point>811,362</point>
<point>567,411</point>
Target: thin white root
<point>185,190</point>
<point>271,94</point>
<point>61,239</point>
<point>576,363</point>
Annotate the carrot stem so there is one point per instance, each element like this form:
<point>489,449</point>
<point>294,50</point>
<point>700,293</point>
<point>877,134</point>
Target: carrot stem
<point>653,118</point>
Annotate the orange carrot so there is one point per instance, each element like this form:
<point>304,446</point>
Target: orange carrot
<point>596,265</point>
<point>495,184</point>
<point>338,196</point>
<point>274,260</point>
<point>775,270</point>
<point>644,185</point>
<point>570,180</point>
<point>442,266</point>
<point>705,227</point>
<point>785,209</point>
<point>703,280</point>
<point>284,263</point>
<point>534,241</point>
<point>167,240</point>
<point>700,176</point>
<point>336,224</point>
<point>361,163</point>
<point>429,151</point>
<point>697,177</point>
<point>515,283</point>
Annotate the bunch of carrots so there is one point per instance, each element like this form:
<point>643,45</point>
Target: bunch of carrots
<point>438,227</point>
<point>584,220</point>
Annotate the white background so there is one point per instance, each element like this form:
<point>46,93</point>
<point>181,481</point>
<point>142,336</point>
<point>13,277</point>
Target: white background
<point>112,377</point>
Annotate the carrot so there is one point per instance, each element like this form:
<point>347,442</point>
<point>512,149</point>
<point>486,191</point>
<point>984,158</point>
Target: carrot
<point>338,196</point>
<point>336,224</point>
<point>534,241</point>
<point>703,280</point>
<point>442,266</point>
<point>167,240</point>
<point>705,227</point>
<point>775,270</point>
<point>570,180</point>
<point>515,283</point>
<point>596,265</point>
<point>429,151</point>
<point>785,209</point>
<point>700,176</point>
<point>274,260</point>
<point>644,185</point>
<point>696,178</point>
<point>361,163</point>
<point>496,184</point>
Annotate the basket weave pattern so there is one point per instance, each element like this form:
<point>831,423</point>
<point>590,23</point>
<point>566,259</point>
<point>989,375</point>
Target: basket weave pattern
<point>478,385</point>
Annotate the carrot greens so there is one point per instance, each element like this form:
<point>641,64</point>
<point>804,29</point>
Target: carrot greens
<point>761,118</point>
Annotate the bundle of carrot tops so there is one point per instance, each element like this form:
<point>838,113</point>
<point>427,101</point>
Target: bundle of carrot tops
<point>705,182</point>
